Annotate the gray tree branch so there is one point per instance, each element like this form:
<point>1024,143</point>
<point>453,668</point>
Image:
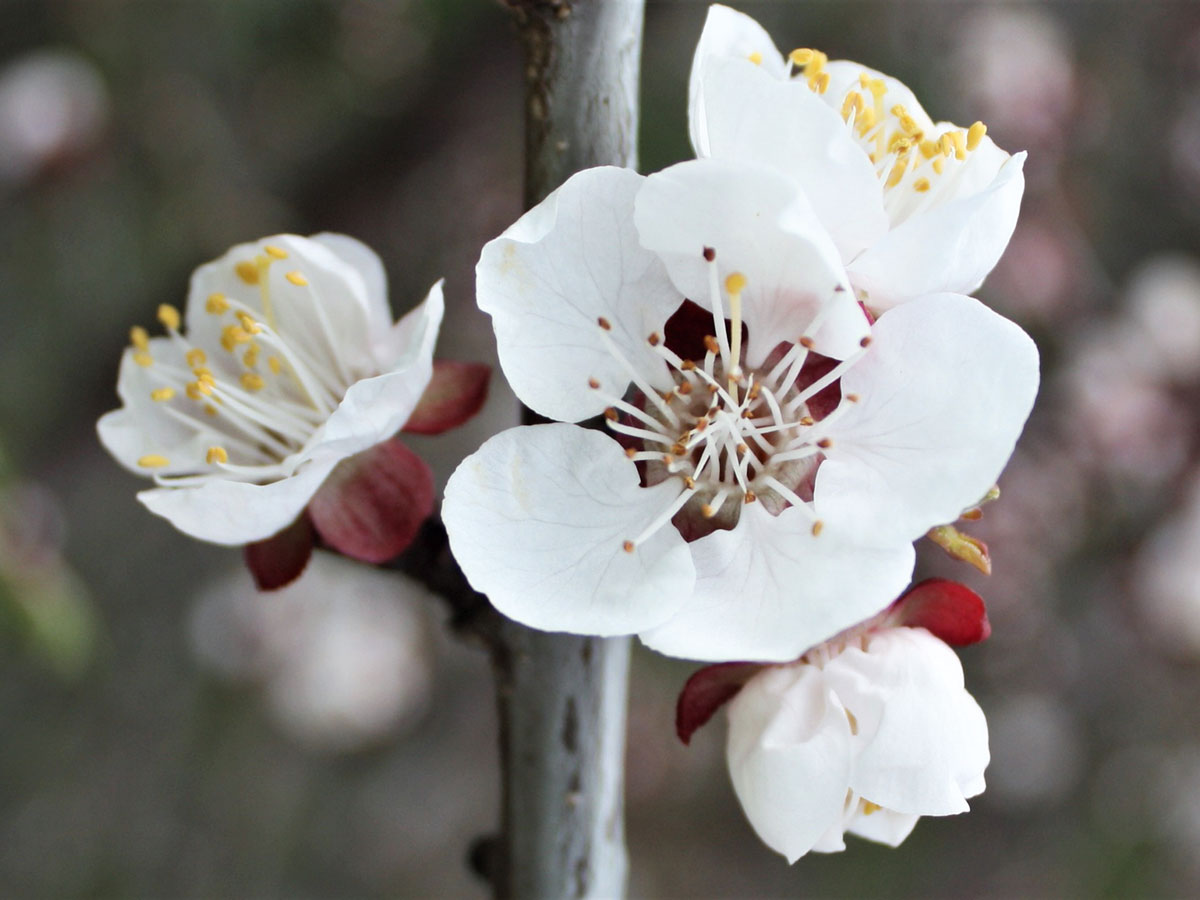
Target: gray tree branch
<point>562,698</point>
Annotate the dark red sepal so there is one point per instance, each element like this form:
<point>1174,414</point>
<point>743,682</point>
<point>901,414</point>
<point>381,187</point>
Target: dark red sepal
<point>454,394</point>
<point>279,560</point>
<point>950,611</point>
<point>371,506</point>
<point>707,691</point>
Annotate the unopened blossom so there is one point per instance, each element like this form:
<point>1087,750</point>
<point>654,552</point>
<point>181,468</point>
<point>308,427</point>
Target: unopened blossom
<point>864,734</point>
<point>770,452</point>
<point>914,206</point>
<point>278,389</point>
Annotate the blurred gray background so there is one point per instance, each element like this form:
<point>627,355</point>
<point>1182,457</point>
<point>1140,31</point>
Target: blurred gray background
<point>166,733</point>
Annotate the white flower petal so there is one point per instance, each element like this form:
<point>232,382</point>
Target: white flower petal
<point>139,428</point>
<point>328,315</point>
<point>369,266</point>
<point>921,739</point>
<point>727,34</point>
<point>754,118</point>
<point>235,512</point>
<point>573,259</point>
<point>789,757</point>
<point>376,408</point>
<point>537,518</point>
<point>769,590</point>
<point>953,245</point>
<point>884,826</point>
<point>945,390</point>
<point>760,224</point>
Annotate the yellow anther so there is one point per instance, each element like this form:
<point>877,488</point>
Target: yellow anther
<point>928,148</point>
<point>252,381</point>
<point>143,359</point>
<point>209,409</point>
<point>162,394</point>
<point>232,335</point>
<point>960,144</point>
<point>296,278</point>
<point>250,357</point>
<point>277,252</point>
<point>899,143</point>
<point>206,377</point>
<point>817,527</point>
<point>946,144</point>
<point>196,357</point>
<point>735,283</point>
<point>877,87</point>
<point>853,101</point>
<point>193,391</point>
<point>921,185</point>
<point>201,387</point>
<point>169,316</point>
<point>910,126</point>
<point>217,455</point>
<point>248,323</point>
<point>755,58</point>
<point>820,82</point>
<point>938,165</point>
<point>274,364</point>
<point>248,271</point>
<point>153,461</point>
<point>897,172</point>
<point>866,121</point>
<point>869,808</point>
<point>802,56</point>
<point>216,304</point>
<point>139,337</point>
<point>975,134</point>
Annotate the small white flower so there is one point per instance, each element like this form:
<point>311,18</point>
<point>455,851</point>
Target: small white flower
<point>754,478</point>
<point>913,206</point>
<point>285,363</point>
<point>864,735</point>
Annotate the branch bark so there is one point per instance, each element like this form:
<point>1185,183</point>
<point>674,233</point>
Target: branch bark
<point>562,698</point>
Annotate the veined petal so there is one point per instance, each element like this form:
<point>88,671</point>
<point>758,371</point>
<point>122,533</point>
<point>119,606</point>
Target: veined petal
<point>769,589</point>
<point>945,390</point>
<point>538,517</point>
<point>546,282</point>
<point>369,266</point>
<point>374,409</point>
<point>414,334</point>
<point>921,738</point>
<point>785,125</point>
<point>760,224</point>
<point>951,246</point>
<point>789,757</point>
<point>236,512</point>
<point>727,34</point>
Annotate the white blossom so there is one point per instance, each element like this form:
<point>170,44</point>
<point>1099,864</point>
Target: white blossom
<point>762,477</point>
<point>914,206</point>
<point>284,363</point>
<point>864,735</point>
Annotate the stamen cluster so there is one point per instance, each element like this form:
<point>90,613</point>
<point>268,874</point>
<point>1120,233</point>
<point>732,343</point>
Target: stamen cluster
<point>731,435</point>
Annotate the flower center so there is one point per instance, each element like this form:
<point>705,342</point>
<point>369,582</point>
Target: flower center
<point>916,160</point>
<point>253,391</point>
<point>731,435</point>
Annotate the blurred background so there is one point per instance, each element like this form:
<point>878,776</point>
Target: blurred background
<point>166,732</point>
